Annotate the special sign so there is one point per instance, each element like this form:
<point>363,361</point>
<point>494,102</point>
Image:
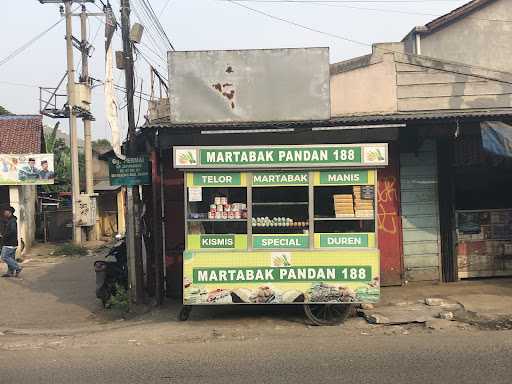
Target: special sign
<point>346,155</point>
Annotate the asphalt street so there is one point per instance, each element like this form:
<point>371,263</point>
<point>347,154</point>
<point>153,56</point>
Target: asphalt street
<point>481,357</point>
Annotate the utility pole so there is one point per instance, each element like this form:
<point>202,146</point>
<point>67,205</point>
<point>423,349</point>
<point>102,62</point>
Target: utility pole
<point>133,242</point>
<point>73,109</point>
<point>75,172</point>
<point>84,79</point>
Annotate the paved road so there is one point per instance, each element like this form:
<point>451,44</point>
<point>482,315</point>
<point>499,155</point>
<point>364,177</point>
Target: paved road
<point>482,357</point>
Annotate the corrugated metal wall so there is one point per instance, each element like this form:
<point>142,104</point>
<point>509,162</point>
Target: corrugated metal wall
<point>420,213</point>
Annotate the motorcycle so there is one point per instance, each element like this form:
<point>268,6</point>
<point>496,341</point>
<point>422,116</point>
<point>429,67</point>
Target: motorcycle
<point>112,272</point>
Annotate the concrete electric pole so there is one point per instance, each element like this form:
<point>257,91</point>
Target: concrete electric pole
<point>75,171</point>
<point>135,265</point>
<point>85,80</point>
<point>74,109</point>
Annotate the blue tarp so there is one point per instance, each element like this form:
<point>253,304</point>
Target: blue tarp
<point>497,138</point>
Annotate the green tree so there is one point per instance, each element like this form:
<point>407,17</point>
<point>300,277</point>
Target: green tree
<point>62,162</point>
<point>101,145</point>
<point>4,111</point>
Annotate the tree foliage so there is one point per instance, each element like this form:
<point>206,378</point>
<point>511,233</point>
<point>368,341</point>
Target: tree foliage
<point>101,145</point>
<point>62,162</point>
<point>4,111</point>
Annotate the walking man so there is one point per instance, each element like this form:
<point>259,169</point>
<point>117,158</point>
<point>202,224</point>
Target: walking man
<point>10,243</point>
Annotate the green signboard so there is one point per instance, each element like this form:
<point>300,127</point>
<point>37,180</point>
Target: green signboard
<point>280,241</point>
<point>213,179</point>
<point>343,240</point>
<point>207,241</point>
<point>343,177</point>
<point>346,155</point>
<point>217,241</point>
<point>280,178</point>
<point>131,171</point>
<point>282,274</point>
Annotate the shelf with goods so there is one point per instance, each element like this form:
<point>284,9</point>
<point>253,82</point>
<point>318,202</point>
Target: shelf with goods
<point>484,242</point>
<point>344,209</point>
<point>280,210</point>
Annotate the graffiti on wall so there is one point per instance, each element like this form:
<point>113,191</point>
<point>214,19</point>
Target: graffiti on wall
<point>387,216</point>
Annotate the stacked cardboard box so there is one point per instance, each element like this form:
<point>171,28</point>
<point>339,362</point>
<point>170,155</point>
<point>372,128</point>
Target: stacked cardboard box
<point>362,207</point>
<point>344,205</point>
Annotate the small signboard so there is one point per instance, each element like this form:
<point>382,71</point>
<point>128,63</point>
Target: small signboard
<point>130,172</point>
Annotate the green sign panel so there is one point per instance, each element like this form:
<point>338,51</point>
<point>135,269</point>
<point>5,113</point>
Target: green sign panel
<point>217,241</point>
<point>345,240</point>
<point>343,177</point>
<point>280,156</point>
<point>346,155</point>
<point>280,178</point>
<point>131,171</point>
<point>216,179</point>
<point>282,274</point>
<point>280,241</point>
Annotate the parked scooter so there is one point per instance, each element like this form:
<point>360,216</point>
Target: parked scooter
<point>112,272</point>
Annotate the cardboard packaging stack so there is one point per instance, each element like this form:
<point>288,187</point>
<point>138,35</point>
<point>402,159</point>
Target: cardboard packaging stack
<point>344,205</point>
<point>363,207</point>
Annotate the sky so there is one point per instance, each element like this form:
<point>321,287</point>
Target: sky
<point>350,27</point>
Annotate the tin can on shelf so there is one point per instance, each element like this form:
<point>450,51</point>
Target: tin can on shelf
<point>231,215</point>
<point>216,200</point>
<point>211,214</point>
<point>220,208</point>
<point>218,215</point>
<point>238,214</point>
<point>224,215</point>
<point>223,200</point>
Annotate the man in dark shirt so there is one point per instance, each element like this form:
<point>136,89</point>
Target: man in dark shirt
<point>10,243</point>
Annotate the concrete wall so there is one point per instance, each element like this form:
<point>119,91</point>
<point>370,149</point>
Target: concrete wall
<point>420,213</point>
<point>475,40</point>
<point>23,199</point>
<point>369,89</point>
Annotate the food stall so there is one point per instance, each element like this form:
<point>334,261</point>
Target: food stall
<point>281,225</point>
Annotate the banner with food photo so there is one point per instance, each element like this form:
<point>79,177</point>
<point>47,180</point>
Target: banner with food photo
<point>26,169</point>
<point>281,277</point>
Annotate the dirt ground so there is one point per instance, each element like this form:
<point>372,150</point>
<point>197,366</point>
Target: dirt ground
<point>55,296</point>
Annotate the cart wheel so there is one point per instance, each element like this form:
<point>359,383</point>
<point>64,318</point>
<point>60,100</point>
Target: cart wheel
<point>184,313</point>
<point>327,314</point>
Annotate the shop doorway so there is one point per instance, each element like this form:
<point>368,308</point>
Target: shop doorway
<point>483,210</point>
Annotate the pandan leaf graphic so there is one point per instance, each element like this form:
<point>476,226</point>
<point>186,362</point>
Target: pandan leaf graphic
<point>187,158</point>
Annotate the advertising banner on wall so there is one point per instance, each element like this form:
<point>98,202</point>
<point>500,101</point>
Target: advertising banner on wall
<point>27,169</point>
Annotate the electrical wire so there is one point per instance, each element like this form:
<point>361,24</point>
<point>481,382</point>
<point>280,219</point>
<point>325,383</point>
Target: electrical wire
<point>22,48</point>
<point>329,34</point>
<point>164,8</point>
<point>346,1</point>
<point>341,4</point>
<point>154,18</point>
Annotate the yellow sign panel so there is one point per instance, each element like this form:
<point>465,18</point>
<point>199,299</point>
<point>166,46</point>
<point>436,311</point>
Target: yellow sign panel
<point>281,277</point>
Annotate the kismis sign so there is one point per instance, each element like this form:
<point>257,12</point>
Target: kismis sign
<point>317,156</point>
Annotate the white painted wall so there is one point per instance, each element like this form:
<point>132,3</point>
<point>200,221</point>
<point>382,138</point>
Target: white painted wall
<point>23,199</point>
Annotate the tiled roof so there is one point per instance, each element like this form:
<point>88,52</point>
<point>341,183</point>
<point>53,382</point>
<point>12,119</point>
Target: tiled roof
<point>21,133</point>
<point>457,13</point>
